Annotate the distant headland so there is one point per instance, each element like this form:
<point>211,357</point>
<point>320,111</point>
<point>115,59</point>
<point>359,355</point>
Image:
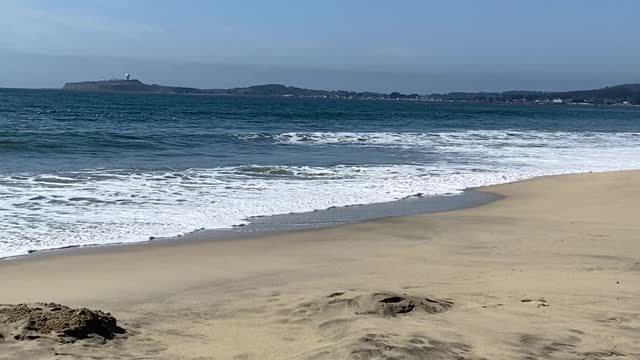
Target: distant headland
<point>627,94</point>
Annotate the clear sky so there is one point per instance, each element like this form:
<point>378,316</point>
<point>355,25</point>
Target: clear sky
<point>410,45</point>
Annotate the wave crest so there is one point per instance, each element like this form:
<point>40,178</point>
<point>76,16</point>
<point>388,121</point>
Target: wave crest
<point>470,138</point>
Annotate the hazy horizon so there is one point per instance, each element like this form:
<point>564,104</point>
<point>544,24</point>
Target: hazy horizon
<point>412,47</point>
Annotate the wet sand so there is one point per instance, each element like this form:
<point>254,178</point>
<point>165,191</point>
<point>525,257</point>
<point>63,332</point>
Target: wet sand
<point>550,271</point>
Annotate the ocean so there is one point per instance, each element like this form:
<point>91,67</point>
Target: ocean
<point>100,168</point>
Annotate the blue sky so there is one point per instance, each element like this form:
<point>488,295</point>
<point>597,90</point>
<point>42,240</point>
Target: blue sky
<point>408,45</point>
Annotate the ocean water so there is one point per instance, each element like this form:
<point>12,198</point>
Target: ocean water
<point>84,168</point>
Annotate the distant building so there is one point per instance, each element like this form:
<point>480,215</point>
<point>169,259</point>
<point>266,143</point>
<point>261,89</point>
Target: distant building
<point>127,76</point>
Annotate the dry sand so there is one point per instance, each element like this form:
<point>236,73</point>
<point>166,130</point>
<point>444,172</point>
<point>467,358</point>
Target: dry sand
<point>552,271</point>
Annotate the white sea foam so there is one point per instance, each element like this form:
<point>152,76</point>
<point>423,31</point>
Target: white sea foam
<point>107,206</point>
<point>464,139</point>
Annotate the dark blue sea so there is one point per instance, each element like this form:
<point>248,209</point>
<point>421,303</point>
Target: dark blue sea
<point>96,168</point>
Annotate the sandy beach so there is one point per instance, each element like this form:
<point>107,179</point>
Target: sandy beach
<point>550,271</point>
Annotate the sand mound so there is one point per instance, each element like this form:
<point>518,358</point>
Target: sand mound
<point>394,347</point>
<point>392,304</point>
<point>62,323</point>
<point>376,303</point>
<point>360,324</point>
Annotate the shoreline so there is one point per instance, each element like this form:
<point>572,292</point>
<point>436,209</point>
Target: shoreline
<point>248,230</point>
<point>286,223</point>
<point>551,271</point>
<point>239,232</point>
<point>492,193</point>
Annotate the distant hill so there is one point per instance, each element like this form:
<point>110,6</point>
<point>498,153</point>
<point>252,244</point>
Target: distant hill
<point>121,85</point>
<point>127,86</point>
<point>626,91</point>
<point>619,94</point>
